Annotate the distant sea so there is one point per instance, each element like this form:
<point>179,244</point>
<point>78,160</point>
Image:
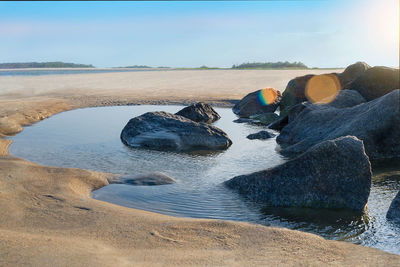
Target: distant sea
<point>38,72</point>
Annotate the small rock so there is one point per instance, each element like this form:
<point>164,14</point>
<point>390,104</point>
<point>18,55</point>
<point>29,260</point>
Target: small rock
<point>334,174</point>
<point>265,118</point>
<point>261,135</point>
<point>199,112</point>
<point>154,178</point>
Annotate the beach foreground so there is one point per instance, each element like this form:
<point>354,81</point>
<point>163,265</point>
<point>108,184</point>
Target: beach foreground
<point>48,217</point>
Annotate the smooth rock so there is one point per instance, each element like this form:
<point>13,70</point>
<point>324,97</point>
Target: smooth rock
<point>199,112</point>
<point>376,82</point>
<point>153,178</point>
<point>166,131</point>
<point>261,135</point>
<point>376,123</point>
<point>333,174</point>
<point>352,72</point>
<point>254,103</point>
<point>393,213</point>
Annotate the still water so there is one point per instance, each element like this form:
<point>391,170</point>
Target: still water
<point>89,139</point>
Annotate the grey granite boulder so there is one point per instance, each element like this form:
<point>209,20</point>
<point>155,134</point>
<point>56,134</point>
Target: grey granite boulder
<point>154,178</point>
<point>166,131</point>
<point>199,112</point>
<point>262,135</point>
<point>254,103</point>
<point>393,213</point>
<point>352,72</point>
<point>333,174</point>
<point>376,123</point>
<point>376,82</point>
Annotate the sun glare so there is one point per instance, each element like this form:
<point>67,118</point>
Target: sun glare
<point>322,88</point>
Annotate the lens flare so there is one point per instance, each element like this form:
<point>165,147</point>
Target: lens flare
<point>267,96</point>
<point>323,88</point>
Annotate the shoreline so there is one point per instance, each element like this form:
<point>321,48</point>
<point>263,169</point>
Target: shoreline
<point>49,218</point>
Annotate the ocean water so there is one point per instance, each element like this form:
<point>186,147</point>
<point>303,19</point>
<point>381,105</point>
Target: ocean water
<point>89,138</point>
<point>37,72</point>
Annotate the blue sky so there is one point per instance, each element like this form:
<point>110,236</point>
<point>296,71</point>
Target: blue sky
<point>324,33</point>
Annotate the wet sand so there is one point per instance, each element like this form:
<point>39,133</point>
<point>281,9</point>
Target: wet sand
<point>48,218</point>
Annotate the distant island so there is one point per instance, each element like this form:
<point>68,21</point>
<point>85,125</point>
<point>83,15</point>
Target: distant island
<point>56,64</point>
<point>271,65</point>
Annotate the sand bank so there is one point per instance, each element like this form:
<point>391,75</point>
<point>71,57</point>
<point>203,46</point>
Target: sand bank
<point>48,218</point>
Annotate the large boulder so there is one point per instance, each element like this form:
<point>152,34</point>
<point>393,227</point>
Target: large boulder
<point>352,72</point>
<point>333,174</point>
<point>376,82</point>
<point>376,123</point>
<point>199,112</point>
<point>166,131</point>
<point>261,101</point>
<point>153,178</point>
<point>393,213</point>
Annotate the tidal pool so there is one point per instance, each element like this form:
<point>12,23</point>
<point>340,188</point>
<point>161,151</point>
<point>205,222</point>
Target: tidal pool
<point>89,139</point>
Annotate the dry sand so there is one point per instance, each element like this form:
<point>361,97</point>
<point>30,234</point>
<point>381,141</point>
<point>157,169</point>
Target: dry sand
<point>47,217</point>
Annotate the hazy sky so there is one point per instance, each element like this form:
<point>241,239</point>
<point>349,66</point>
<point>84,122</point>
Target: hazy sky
<point>325,33</point>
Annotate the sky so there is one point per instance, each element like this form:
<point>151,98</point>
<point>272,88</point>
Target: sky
<point>319,33</point>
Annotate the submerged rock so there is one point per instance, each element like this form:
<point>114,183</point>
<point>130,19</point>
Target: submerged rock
<point>376,123</point>
<point>261,135</point>
<point>261,101</point>
<point>199,112</point>
<point>166,131</point>
<point>154,178</point>
<point>393,213</point>
<point>333,174</point>
<point>265,118</point>
<point>376,82</point>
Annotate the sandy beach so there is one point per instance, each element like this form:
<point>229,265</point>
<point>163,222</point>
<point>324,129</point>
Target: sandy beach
<point>47,217</point>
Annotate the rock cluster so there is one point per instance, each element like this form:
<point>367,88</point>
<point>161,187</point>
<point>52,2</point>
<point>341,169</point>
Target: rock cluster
<point>376,123</point>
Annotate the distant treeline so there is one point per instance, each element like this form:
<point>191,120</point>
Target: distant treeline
<point>42,65</point>
<point>137,67</point>
<point>271,65</point>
